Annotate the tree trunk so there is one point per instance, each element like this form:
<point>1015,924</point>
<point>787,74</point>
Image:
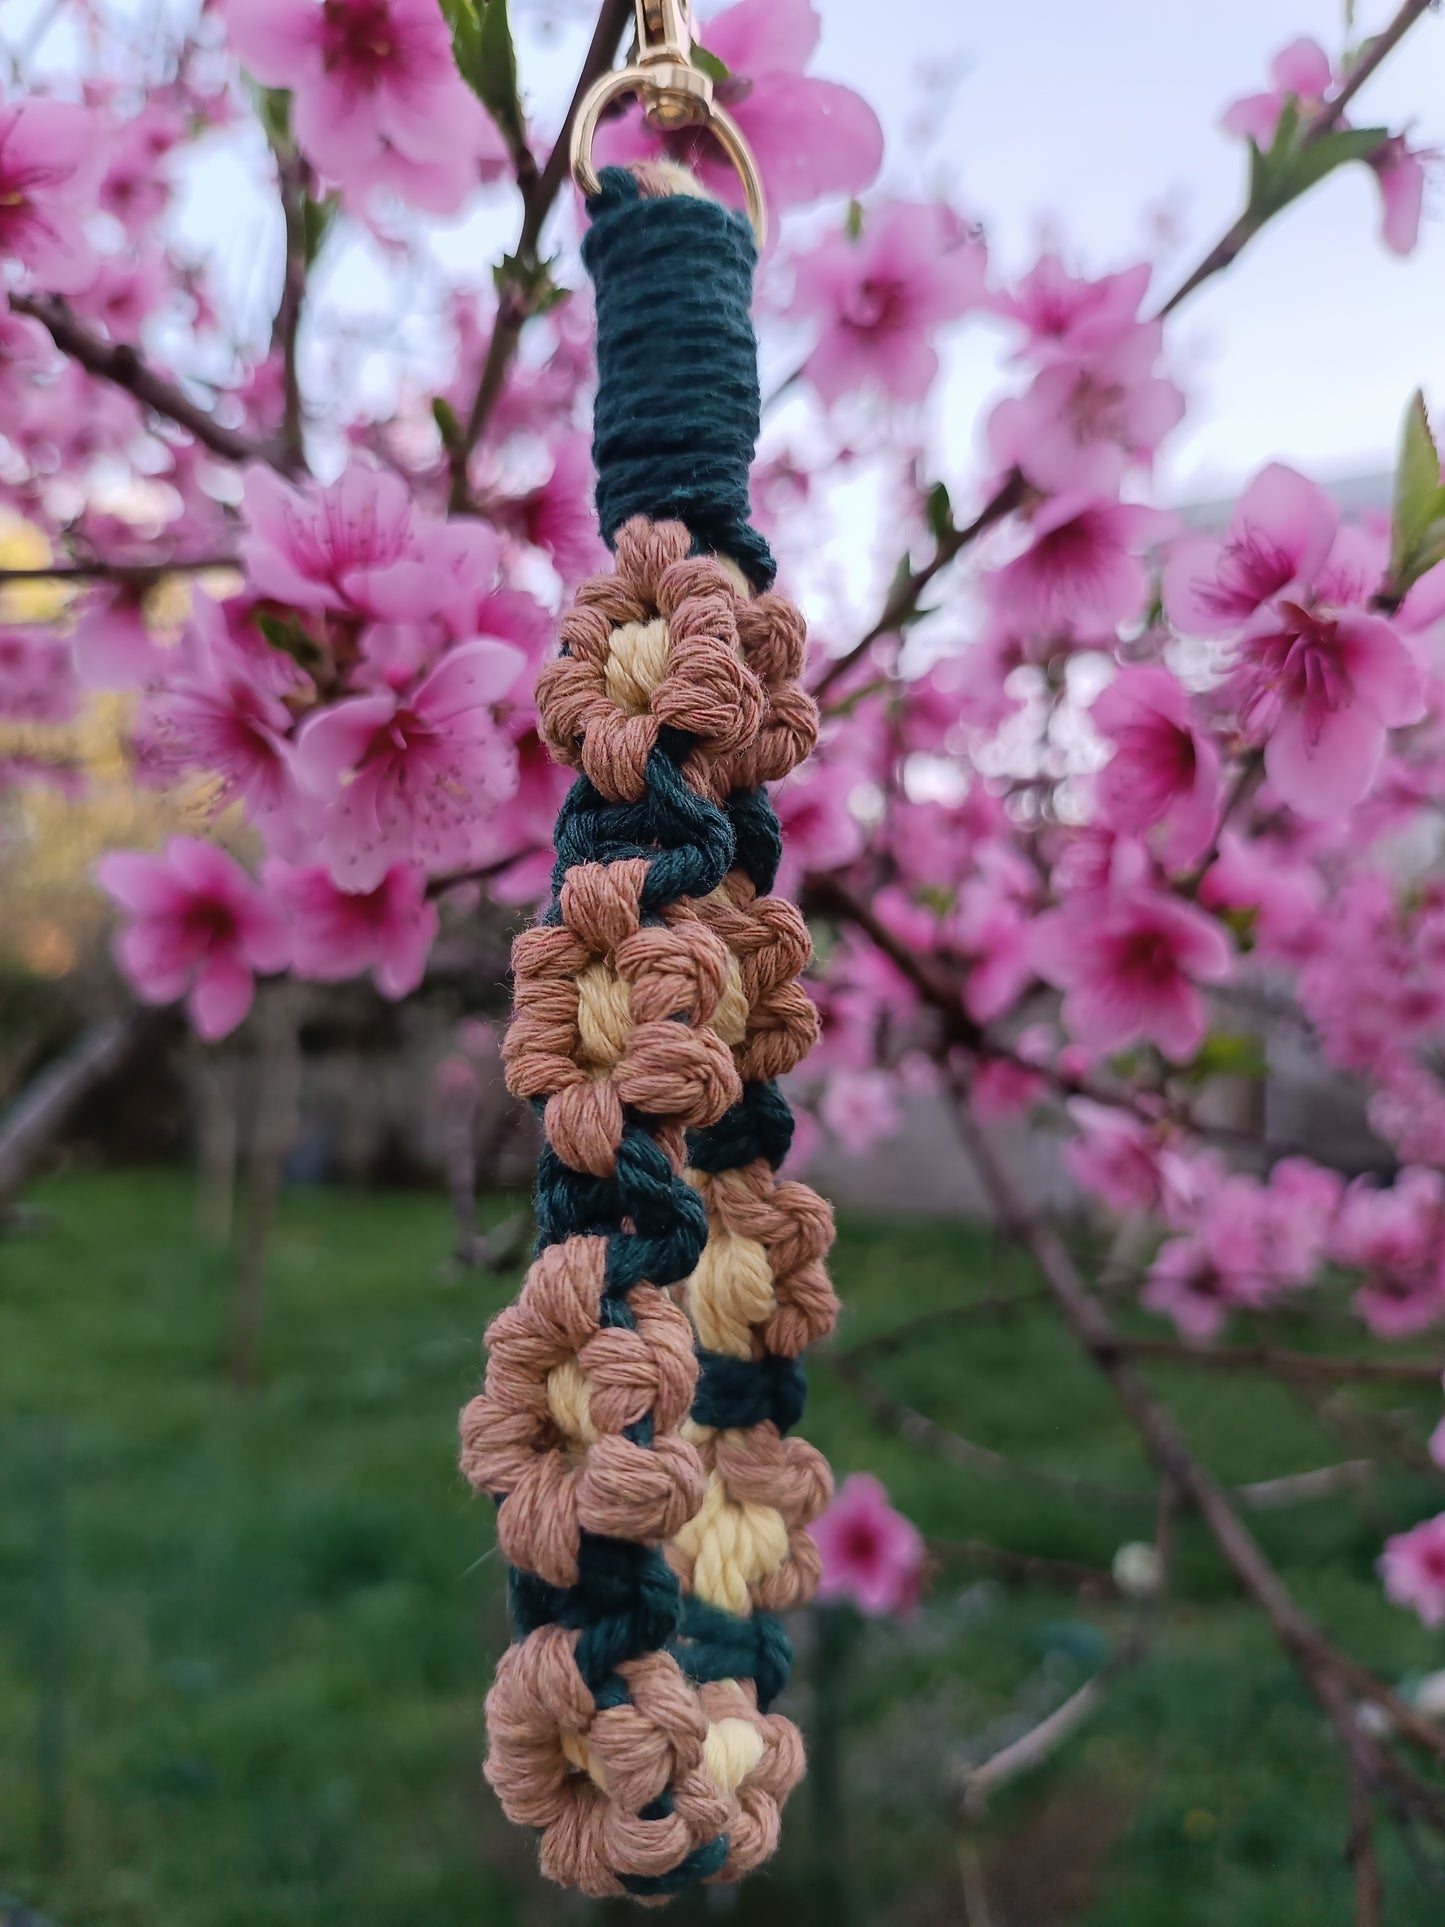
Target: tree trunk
<point>214,1093</point>
<point>273,1129</point>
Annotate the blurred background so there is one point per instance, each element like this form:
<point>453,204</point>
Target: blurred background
<point>248,1608</point>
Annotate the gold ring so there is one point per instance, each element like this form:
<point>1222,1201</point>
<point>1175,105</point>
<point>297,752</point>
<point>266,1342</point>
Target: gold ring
<point>729,136</point>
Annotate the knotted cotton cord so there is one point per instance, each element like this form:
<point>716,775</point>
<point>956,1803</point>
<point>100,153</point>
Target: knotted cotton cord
<point>635,1426</point>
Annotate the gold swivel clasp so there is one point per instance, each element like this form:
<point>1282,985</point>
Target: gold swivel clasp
<point>674,93</point>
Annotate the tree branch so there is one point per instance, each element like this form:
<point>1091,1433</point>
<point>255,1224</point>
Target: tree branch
<point>117,362</point>
<point>1235,238</point>
<point>903,598</point>
<point>514,305</point>
<point>1330,1674</point>
<point>293,181</point>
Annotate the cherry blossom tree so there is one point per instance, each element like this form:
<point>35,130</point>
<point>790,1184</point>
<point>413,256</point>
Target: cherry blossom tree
<point>1100,794</point>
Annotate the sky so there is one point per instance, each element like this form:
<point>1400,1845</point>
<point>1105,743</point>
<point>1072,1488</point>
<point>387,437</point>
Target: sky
<point>1083,126</point>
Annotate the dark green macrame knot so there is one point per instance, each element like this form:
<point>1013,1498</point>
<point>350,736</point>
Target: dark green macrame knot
<point>678,406</point>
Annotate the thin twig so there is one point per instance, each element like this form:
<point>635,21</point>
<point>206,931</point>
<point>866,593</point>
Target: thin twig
<point>539,191</point>
<point>1001,1305</point>
<point>1030,1568</point>
<point>1270,1495</point>
<point>920,1430</point>
<point>131,575</point>
<point>1360,1846</point>
<point>1041,1742</point>
<point>293,179</point>
<point>117,362</point>
<point>1282,1363</point>
<point>902,602</point>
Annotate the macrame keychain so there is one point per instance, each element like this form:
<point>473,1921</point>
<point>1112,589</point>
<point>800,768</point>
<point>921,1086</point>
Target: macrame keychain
<point>636,1424</point>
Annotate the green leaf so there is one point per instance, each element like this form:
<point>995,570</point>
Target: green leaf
<point>317,217</point>
<point>1291,165</point>
<point>1417,510</point>
<point>1333,150</point>
<point>273,110</point>
<point>709,64</point>
<point>1229,1054</point>
<point>487,61</point>
<point>286,634</point>
<point>445,417</point>
<point>939,510</point>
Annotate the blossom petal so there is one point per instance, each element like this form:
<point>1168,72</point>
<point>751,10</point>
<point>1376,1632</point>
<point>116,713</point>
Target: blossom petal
<point>334,741</point>
<point>1323,766</point>
<point>221,996</point>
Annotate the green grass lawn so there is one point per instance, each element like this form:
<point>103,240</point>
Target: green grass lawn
<point>244,1643</point>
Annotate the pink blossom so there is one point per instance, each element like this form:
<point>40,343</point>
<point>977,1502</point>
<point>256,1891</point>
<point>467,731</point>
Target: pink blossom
<point>409,779</point>
<point>1082,573</point>
<point>880,299</point>
<point>36,683</point>
<point>52,156</point>
<point>1164,768</point>
<point>820,832</point>
<point>1413,1569</point>
<point>1292,1218</point>
<point>1130,964</point>
<point>810,137</point>
<point>215,713</point>
<point>1002,1089</point>
<point>858,1108</point>
<point>1324,689</point>
<point>990,924</point>
<point>1400,172</point>
<point>197,927</point>
<point>1198,1279</point>
<point>871,1554</point>
<point>558,517</point>
<point>1278,538</point>
<point>337,934</point>
<point>125,291</point>
<point>358,547</point>
<point>456,1080</point>
<point>136,189</point>
<point>1067,318</point>
<point>1300,72</point>
<point>377,99</point>
<point>1115,1156</point>
<point>1408,1111</point>
<point>1281,894</point>
<point>1397,1238</point>
<point>1083,424</point>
